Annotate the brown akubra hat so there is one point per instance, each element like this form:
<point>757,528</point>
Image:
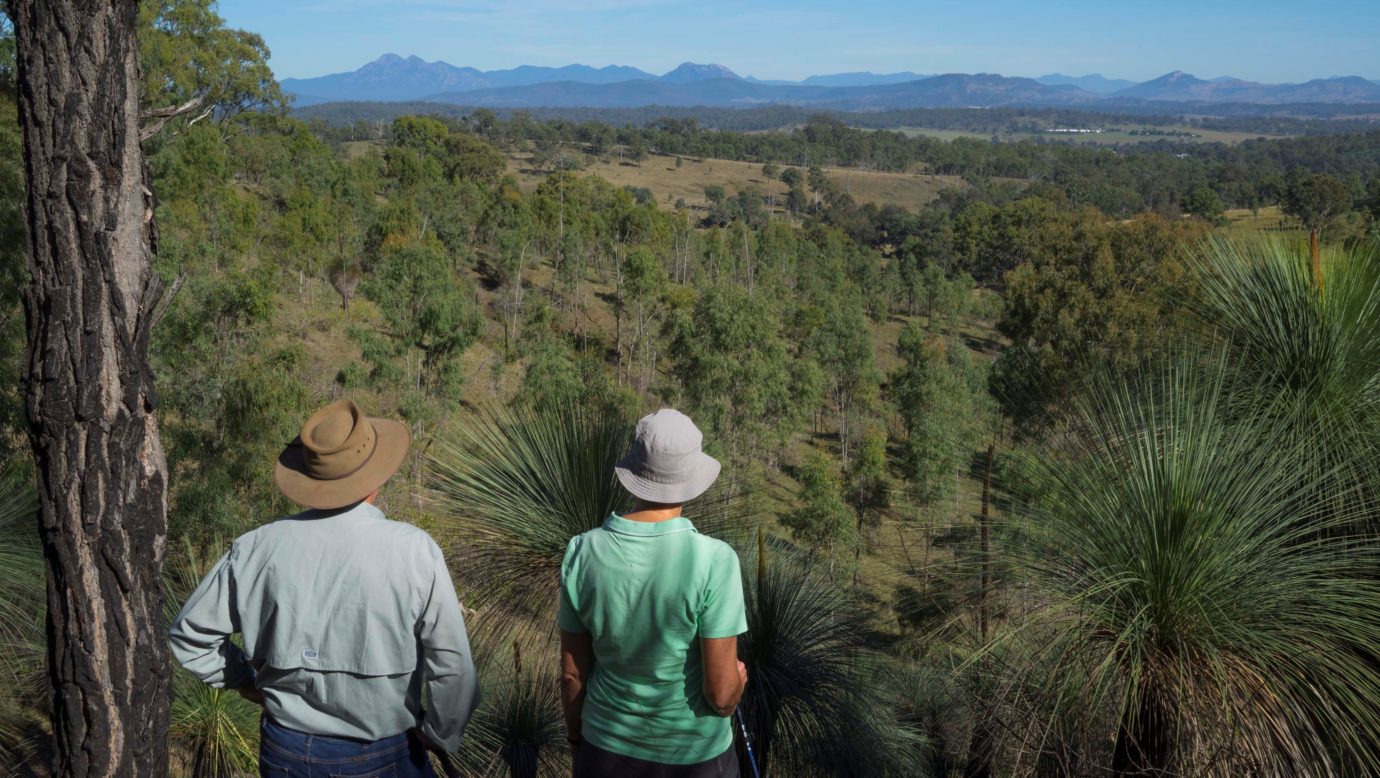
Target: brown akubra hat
<point>341,457</point>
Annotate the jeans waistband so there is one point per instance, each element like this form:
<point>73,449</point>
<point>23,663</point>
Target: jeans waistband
<point>296,742</point>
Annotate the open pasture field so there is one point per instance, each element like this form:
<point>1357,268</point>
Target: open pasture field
<point>1270,218</point>
<point>1109,136</point>
<point>687,181</point>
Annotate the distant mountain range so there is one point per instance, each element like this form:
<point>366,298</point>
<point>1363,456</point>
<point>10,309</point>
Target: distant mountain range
<point>952,90</point>
<point>1095,83</point>
<point>392,78</point>
<point>1181,86</point>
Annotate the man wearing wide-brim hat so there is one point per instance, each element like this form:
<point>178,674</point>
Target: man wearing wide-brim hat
<point>346,617</point>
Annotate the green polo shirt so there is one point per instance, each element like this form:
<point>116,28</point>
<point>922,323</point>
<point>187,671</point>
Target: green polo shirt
<point>647,592</point>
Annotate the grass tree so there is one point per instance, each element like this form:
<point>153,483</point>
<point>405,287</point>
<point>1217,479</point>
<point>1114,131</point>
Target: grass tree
<point>518,730</point>
<point>1306,355</point>
<point>1304,343</point>
<point>816,702</point>
<point>1217,622</point>
<point>214,732</point>
<point>509,491</point>
<point>21,622</point>
<point>517,484</point>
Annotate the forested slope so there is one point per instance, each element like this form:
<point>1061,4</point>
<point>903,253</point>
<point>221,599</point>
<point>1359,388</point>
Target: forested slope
<point>866,370</point>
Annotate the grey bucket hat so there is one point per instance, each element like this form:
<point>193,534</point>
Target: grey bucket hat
<point>665,463</point>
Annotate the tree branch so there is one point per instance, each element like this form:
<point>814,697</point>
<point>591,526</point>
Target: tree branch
<point>165,300</point>
<point>162,116</point>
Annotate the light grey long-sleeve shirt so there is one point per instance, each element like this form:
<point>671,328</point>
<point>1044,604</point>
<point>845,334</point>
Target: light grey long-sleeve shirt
<point>346,618</point>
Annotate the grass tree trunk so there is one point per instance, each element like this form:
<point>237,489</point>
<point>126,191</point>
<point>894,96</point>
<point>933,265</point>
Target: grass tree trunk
<point>1313,239</point>
<point>89,390</point>
<point>981,751</point>
<point>1145,738</point>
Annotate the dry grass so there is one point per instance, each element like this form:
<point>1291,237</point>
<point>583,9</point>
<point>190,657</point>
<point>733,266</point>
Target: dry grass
<point>1109,135</point>
<point>1268,219</point>
<point>670,183</point>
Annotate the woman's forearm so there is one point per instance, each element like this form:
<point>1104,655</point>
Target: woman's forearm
<point>724,676</point>
<point>572,702</point>
<point>577,661</point>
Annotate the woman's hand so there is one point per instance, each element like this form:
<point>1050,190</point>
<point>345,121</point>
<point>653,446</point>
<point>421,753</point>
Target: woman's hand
<point>253,695</point>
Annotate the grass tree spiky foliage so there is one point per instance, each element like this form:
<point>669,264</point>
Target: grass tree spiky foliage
<point>22,608</point>
<point>518,730</point>
<point>816,702</point>
<point>510,489</point>
<point>215,732</point>
<point>1307,355</point>
<point>1228,626</point>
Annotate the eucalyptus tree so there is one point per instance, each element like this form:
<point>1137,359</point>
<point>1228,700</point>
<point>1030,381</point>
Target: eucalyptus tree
<point>92,302</point>
<point>1317,200</point>
<point>822,520</point>
<point>644,283</point>
<point>13,275</point>
<point>842,346</point>
<point>737,375</point>
<point>431,316</point>
<point>939,393</point>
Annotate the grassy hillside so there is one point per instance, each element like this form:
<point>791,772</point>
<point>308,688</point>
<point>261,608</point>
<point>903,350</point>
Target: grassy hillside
<point>670,182</point>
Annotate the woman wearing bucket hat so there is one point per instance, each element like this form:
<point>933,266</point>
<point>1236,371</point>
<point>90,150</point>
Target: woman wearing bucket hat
<point>650,613</point>
<point>345,616</point>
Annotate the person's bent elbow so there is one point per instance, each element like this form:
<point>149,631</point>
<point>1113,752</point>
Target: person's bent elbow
<point>724,705</point>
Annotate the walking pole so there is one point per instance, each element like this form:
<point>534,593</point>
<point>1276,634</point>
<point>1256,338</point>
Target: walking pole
<point>747,743</point>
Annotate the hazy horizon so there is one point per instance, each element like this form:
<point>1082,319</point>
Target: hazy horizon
<point>878,71</point>
<point>1271,42</point>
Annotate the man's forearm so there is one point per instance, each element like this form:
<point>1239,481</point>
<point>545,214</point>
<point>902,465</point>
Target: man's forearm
<point>216,661</point>
<point>451,700</point>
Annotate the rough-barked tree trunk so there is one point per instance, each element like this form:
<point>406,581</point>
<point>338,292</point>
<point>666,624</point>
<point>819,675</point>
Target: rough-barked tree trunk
<point>1146,736</point>
<point>90,305</point>
<point>982,748</point>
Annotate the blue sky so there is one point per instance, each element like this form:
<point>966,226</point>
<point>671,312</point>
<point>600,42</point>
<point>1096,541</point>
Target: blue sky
<point>1264,40</point>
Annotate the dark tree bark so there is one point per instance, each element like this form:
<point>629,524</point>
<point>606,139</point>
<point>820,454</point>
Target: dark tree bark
<point>981,750</point>
<point>89,393</point>
<point>1146,736</point>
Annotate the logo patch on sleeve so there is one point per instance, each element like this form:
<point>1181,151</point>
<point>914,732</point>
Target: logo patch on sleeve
<point>309,653</point>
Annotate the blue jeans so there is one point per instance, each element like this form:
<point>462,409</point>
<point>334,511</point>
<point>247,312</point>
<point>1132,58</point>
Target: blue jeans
<point>287,753</point>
